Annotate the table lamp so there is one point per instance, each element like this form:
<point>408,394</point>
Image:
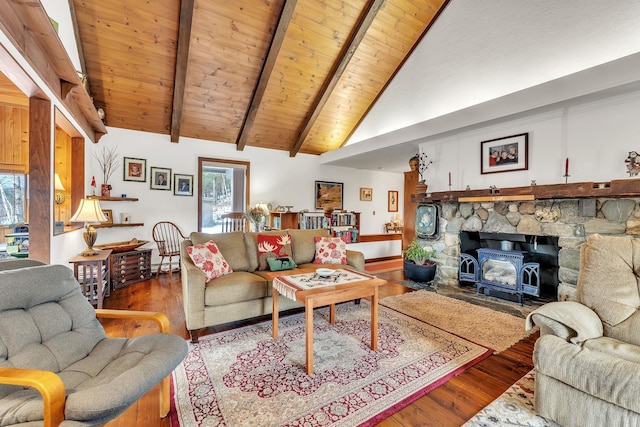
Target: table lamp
<point>59,198</point>
<point>89,212</point>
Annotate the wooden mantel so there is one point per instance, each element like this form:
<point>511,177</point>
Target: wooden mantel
<point>578,190</point>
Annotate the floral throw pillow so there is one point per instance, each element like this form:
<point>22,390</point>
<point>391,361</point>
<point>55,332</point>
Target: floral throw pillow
<point>272,246</point>
<point>207,257</point>
<point>330,250</point>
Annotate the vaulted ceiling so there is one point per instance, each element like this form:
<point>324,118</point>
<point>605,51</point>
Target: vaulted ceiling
<point>292,75</point>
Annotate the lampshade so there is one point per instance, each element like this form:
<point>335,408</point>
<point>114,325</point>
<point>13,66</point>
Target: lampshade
<point>89,211</point>
<point>58,183</point>
<point>59,197</point>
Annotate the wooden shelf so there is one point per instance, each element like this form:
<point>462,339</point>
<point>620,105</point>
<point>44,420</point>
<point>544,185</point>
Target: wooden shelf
<point>133,224</point>
<point>114,199</point>
<point>578,190</point>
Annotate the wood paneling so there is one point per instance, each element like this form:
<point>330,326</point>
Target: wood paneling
<point>40,195</point>
<point>14,138</point>
<point>289,75</point>
<point>409,232</point>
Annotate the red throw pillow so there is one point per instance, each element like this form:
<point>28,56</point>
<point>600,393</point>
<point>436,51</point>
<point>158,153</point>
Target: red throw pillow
<point>330,250</point>
<point>207,257</point>
<point>272,246</point>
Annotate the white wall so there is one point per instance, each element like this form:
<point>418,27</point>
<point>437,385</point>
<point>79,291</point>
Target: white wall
<point>596,137</point>
<point>275,178</point>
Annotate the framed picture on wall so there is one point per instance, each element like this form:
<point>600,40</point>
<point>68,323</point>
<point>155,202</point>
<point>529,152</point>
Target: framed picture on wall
<point>392,201</point>
<point>182,185</point>
<point>135,169</point>
<point>160,178</point>
<point>505,154</point>
<point>366,194</point>
<point>328,195</point>
<point>108,213</point>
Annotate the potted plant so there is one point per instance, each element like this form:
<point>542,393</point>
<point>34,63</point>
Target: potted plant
<point>417,263</point>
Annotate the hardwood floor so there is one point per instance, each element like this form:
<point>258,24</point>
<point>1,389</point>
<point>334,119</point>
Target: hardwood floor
<point>449,405</point>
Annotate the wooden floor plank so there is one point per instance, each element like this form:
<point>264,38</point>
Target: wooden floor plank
<point>449,405</point>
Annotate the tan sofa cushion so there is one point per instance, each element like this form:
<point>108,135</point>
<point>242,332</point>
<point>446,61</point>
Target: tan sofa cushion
<point>235,287</point>
<point>231,245</point>
<point>304,245</point>
<point>608,281</point>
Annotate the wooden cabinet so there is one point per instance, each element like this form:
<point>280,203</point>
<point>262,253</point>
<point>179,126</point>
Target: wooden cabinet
<point>92,272</point>
<point>409,232</point>
<point>283,220</point>
<point>130,267</point>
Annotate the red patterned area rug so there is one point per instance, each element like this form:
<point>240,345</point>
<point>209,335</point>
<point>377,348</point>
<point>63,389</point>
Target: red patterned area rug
<point>243,377</point>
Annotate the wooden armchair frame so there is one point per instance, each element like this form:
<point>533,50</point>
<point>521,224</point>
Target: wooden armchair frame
<point>50,386</point>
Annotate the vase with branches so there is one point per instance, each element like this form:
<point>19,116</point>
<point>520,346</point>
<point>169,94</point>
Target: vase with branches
<point>108,160</point>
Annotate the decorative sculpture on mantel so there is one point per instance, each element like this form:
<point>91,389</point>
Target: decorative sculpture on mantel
<point>633,163</point>
<point>424,164</point>
<point>420,162</point>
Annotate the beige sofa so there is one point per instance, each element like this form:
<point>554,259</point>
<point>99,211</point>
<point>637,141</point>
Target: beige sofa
<point>245,293</point>
<point>587,359</point>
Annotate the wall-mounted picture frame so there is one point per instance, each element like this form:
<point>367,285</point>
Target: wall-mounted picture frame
<point>328,195</point>
<point>160,178</point>
<point>392,201</point>
<point>182,185</point>
<point>506,154</point>
<point>366,194</point>
<point>108,213</point>
<point>134,169</point>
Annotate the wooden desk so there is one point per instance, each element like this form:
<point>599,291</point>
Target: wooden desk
<point>329,295</point>
<point>93,274</point>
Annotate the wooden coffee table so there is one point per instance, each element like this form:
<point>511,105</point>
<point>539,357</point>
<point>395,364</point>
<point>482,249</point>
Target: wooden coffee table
<point>328,295</point>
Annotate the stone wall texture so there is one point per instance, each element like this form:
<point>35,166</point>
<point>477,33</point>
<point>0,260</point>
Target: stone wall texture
<point>571,220</point>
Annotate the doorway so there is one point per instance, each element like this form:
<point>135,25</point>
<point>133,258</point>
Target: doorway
<point>224,187</point>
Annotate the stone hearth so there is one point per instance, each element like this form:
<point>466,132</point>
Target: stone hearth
<point>571,220</point>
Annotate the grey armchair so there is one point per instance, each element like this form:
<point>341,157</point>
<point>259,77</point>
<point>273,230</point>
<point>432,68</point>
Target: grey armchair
<point>58,367</point>
<point>587,359</point>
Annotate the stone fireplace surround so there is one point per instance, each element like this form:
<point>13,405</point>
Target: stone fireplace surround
<point>564,218</point>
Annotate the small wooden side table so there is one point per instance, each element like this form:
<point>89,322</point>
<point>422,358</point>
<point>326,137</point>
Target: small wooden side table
<point>93,274</point>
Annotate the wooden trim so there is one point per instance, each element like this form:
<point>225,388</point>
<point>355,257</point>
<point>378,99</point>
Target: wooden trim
<point>578,190</point>
<point>30,30</point>
<point>265,74</point>
<point>366,238</point>
<point>182,57</point>
<point>40,179</point>
<point>350,47</point>
<point>497,198</point>
<point>384,258</point>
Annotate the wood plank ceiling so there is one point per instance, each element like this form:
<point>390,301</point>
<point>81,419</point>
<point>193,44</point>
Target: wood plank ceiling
<point>292,75</point>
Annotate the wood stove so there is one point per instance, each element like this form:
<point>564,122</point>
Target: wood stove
<point>502,270</point>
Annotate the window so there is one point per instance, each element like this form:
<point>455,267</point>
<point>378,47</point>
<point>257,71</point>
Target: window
<point>223,188</point>
<point>13,192</point>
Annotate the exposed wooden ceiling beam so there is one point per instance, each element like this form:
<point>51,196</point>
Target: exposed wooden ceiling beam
<point>265,74</point>
<point>349,50</point>
<point>182,57</point>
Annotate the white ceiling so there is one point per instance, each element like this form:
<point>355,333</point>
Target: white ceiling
<point>487,60</point>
